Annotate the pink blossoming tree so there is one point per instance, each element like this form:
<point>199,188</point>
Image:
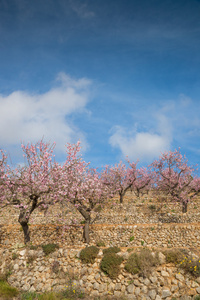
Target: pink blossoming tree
<point>82,186</point>
<point>121,177</point>
<point>174,177</point>
<point>26,186</point>
<point>143,182</point>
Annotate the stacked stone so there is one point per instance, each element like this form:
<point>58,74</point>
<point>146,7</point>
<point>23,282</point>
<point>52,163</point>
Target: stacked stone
<point>32,271</point>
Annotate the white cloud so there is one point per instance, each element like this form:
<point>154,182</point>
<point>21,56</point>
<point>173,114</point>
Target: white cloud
<point>81,9</point>
<point>29,117</point>
<point>144,146</point>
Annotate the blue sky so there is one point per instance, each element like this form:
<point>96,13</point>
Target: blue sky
<point>122,76</point>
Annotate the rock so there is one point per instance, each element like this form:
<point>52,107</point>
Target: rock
<point>41,268</point>
<point>153,279</point>
<point>32,289</point>
<point>131,297</point>
<point>102,287</point>
<point>26,287</point>
<point>174,288</point>
<point>118,286</point>
<point>194,284</point>
<point>161,258</point>
<point>152,294</point>
<point>180,277</point>
<point>78,254</point>
<point>146,281</point>
<point>131,288</point>
<point>97,276</point>
<point>96,286</point>
<point>164,273</point>
<point>174,281</point>
<point>117,294</point>
<point>198,290</point>
<point>111,287</point>
<point>137,291</point>
<point>166,293</point>
<point>16,267</point>
<point>136,282</point>
<point>94,293</point>
<point>198,280</point>
<point>23,252</point>
<point>144,289</point>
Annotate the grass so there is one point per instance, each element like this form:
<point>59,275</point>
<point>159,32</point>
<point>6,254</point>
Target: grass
<point>6,291</point>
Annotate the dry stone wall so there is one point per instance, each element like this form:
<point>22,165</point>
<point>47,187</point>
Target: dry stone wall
<point>151,235</point>
<point>134,224</point>
<point>32,271</point>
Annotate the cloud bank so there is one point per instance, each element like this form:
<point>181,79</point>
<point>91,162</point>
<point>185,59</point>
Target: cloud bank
<point>29,117</point>
<point>143,145</point>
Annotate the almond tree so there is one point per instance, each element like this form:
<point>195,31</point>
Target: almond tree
<point>143,182</point>
<point>27,185</point>
<point>82,186</point>
<point>174,177</point>
<point>121,177</point>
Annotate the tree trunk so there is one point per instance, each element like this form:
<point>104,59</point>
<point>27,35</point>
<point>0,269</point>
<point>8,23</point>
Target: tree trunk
<point>86,214</point>
<point>24,223</point>
<point>86,231</point>
<point>121,197</point>
<point>184,207</point>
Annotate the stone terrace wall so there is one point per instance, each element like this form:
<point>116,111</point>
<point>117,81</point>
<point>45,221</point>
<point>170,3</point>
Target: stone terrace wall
<point>151,235</point>
<point>43,273</point>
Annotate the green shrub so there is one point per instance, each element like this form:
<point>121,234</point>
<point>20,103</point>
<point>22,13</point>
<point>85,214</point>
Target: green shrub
<point>141,262</point>
<point>100,244</point>
<point>49,248</point>
<point>110,264</point>
<point>173,256</point>
<point>133,265</point>
<point>89,254</point>
<point>111,250</point>
<point>131,238</point>
<point>6,291</point>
